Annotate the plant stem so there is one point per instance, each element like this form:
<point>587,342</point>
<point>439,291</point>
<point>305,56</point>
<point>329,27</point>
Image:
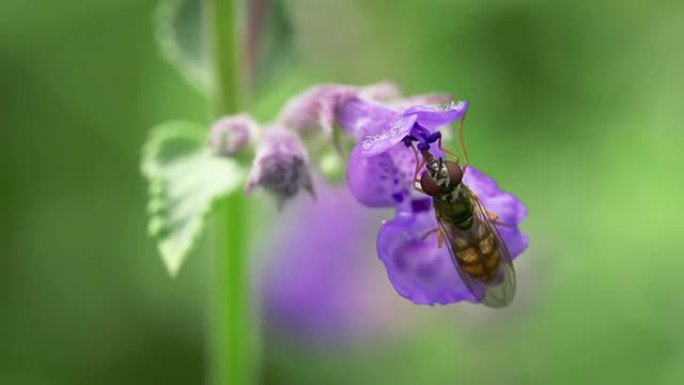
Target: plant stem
<point>230,337</point>
<point>230,352</point>
<point>222,16</point>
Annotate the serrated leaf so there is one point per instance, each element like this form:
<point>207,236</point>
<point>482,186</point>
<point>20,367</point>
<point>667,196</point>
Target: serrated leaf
<point>184,178</point>
<point>181,38</point>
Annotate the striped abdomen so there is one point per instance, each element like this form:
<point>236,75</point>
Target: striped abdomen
<point>479,258</point>
<point>473,241</point>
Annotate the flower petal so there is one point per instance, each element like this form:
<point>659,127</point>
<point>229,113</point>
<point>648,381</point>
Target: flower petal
<point>510,210</point>
<point>439,99</point>
<point>392,133</point>
<point>432,117</point>
<point>515,240</point>
<point>361,117</point>
<point>313,110</point>
<point>383,180</point>
<point>377,128</point>
<point>418,269</point>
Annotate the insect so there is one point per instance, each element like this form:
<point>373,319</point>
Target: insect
<point>479,254</point>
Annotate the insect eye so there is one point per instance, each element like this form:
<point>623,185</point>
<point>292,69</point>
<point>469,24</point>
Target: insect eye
<point>429,186</point>
<point>455,172</point>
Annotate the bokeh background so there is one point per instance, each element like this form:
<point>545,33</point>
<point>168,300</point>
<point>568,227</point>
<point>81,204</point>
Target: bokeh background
<point>576,107</point>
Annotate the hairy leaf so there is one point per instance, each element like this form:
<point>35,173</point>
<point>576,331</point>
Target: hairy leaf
<point>185,178</point>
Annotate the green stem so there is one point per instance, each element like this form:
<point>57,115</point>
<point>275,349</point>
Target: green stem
<point>231,353</point>
<point>222,15</point>
<point>229,338</point>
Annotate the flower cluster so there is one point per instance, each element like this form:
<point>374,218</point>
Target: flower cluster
<point>391,135</point>
<point>381,173</point>
<point>281,164</point>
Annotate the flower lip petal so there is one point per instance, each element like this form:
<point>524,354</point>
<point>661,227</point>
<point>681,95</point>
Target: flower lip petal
<point>424,273</point>
<point>383,180</point>
<point>418,269</point>
<point>508,207</point>
<point>421,100</point>
<point>378,128</point>
<point>432,117</point>
<point>391,135</point>
<point>361,117</point>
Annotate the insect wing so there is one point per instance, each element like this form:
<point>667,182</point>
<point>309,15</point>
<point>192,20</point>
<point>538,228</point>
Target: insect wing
<point>475,245</point>
<point>502,290</point>
<point>475,287</point>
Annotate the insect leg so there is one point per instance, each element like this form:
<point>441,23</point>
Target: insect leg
<point>420,163</point>
<point>440,236</point>
<point>494,218</point>
<point>461,142</point>
<point>428,233</point>
<point>448,152</point>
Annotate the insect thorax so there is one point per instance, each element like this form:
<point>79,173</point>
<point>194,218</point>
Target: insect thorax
<point>456,207</point>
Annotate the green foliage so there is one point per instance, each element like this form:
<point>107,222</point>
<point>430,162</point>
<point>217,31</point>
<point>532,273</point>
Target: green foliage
<point>273,46</point>
<point>575,105</point>
<point>185,178</point>
<point>181,38</point>
<point>181,29</point>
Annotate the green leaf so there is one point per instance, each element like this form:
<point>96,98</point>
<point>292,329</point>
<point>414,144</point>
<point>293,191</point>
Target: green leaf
<point>181,38</point>
<point>181,29</point>
<point>274,43</point>
<point>185,178</point>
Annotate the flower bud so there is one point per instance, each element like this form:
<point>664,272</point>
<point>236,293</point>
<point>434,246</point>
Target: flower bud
<point>281,165</point>
<point>232,134</point>
<point>314,110</point>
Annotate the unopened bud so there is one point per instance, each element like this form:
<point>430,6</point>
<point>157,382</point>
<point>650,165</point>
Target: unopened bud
<point>281,165</point>
<point>230,135</point>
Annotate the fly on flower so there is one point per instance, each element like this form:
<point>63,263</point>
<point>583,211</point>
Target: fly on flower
<point>454,201</point>
<point>478,252</point>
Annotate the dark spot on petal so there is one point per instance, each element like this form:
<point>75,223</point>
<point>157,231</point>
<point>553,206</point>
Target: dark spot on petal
<point>421,205</point>
<point>398,197</point>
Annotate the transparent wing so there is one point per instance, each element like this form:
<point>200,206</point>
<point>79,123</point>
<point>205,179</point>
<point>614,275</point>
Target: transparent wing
<point>481,258</point>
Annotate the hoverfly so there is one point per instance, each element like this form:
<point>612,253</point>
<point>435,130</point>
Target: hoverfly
<point>477,250</point>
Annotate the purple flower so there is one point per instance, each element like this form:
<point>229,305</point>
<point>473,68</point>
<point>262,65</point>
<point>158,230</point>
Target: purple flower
<point>378,128</point>
<point>381,168</point>
<point>314,110</point>
<point>381,173</point>
<point>280,166</point>
<point>424,273</point>
<point>323,283</point>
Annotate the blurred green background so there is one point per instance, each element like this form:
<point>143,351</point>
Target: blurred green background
<point>576,108</point>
